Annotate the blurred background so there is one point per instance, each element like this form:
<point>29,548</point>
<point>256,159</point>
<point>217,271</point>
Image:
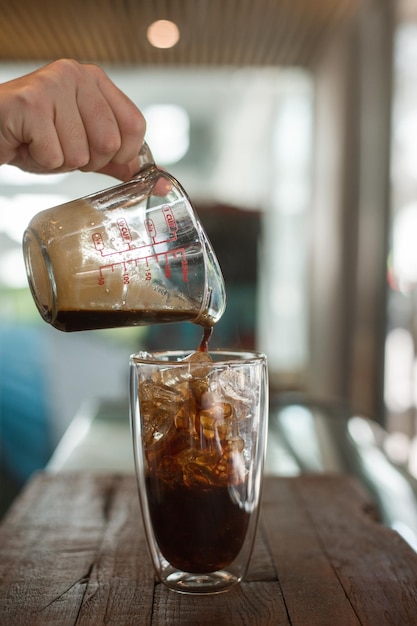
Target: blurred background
<point>293,128</point>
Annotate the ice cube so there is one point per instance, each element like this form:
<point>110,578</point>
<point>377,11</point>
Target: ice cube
<point>174,376</point>
<point>214,422</point>
<point>199,364</point>
<point>195,474</point>
<point>159,407</point>
<point>237,390</point>
<point>185,417</point>
<point>231,470</point>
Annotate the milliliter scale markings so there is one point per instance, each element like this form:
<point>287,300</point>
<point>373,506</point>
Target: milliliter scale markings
<point>136,262</point>
<point>126,237</point>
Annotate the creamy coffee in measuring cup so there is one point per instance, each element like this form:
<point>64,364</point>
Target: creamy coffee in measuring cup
<point>132,255</point>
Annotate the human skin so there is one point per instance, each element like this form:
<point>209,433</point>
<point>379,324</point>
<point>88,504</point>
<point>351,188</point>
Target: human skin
<point>67,116</point>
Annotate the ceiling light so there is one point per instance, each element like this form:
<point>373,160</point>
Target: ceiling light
<point>163,34</point>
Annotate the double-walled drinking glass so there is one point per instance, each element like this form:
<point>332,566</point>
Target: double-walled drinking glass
<point>199,424</point>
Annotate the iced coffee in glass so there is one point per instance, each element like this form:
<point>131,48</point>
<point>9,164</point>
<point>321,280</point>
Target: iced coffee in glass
<point>199,428</point>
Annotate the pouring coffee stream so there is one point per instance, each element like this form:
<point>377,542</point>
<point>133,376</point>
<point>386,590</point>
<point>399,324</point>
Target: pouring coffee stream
<point>132,255</point>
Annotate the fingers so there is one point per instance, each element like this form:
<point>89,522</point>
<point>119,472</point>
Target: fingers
<point>124,171</point>
<point>69,116</point>
<point>130,121</point>
<point>27,134</point>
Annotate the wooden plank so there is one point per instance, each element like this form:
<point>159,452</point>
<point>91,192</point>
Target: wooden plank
<point>120,588</point>
<point>251,604</point>
<point>67,551</point>
<point>336,563</point>
<point>258,601</point>
<point>312,592</point>
<point>73,552</point>
<point>93,537</point>
<point>261,566</point>
<point>375,567</point>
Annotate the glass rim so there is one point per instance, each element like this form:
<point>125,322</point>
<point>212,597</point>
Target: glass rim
<point>173,357</point>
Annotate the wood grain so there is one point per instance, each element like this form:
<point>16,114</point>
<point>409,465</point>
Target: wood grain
<point>73,551</point>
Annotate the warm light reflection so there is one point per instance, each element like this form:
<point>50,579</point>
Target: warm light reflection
<point>163,34</point>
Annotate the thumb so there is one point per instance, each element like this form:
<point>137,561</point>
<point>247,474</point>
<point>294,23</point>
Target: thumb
<point>123,172</point>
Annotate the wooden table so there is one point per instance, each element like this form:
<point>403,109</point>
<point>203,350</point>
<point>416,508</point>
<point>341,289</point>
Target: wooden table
<point>73,552</point>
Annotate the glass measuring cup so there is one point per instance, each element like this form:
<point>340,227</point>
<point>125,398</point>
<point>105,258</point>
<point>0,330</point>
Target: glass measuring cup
<point>131,255</point>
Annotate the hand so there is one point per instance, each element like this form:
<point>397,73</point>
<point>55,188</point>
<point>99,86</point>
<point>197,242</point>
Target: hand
<point>67,116</point>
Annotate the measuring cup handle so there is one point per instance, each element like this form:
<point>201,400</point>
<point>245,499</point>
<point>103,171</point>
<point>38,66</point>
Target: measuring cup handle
<point>145,157</point>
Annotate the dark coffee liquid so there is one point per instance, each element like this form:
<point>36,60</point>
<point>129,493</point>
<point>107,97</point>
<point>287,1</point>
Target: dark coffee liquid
<point>204,345</point>
<point>198,529</point>
<point>70,321</point>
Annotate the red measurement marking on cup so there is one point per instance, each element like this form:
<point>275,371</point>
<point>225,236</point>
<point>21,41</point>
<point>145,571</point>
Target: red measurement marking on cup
<point>148,273</point>
<point>170,219</point>
<point>124,230</point>
<point>168,230</point>
<point>167,267</point>
<point>150,228</point>
<point>98,241</point>
<point>139,261</point>
<point>184,263</point>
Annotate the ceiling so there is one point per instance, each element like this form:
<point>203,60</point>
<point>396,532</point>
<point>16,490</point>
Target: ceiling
<point>213,32</point>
